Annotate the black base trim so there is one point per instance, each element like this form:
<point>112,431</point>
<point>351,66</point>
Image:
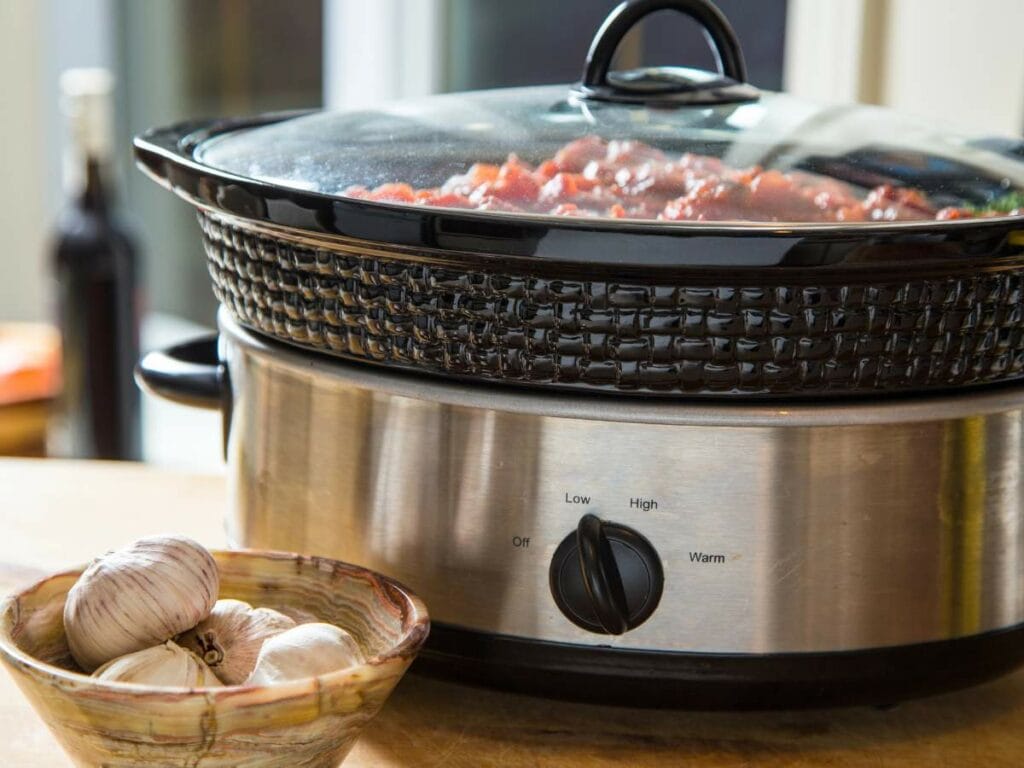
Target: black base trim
<point>880,676</point>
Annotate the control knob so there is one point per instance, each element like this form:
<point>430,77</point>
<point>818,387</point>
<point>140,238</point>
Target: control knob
<point>605,577</point>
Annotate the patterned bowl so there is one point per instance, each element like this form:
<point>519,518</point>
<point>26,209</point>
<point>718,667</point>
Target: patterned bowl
<point>311,723</point>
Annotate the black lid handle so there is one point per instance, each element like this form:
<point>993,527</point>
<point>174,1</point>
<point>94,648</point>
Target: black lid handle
<point>665,85</point>
<point>601,576</point>
<point>720,34</point>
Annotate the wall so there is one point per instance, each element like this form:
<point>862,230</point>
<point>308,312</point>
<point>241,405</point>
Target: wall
<point>38,40</point>
<point>960,65</point>
<point>22,180</point>
<point>379,51</point>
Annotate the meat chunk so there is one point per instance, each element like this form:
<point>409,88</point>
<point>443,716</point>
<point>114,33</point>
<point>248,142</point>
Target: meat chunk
<point>625,178</point>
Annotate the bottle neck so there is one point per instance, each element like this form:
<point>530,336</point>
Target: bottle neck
<point>87,102</point>
<point>94,192</point>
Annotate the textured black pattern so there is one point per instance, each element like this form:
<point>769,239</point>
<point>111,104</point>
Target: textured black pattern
<point>745,339</point>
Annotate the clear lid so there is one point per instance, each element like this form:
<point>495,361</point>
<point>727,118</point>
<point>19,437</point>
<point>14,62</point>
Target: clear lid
<point>664,144</point>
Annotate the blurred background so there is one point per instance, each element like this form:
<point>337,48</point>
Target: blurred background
<point>178,59</point>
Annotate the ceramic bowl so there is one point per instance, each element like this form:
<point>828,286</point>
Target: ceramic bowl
<point>311,722</point>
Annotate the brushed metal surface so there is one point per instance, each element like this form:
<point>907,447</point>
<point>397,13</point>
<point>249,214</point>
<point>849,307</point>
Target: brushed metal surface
<point>827,527</point>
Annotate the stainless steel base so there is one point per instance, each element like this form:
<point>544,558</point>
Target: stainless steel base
<point>781,528</point>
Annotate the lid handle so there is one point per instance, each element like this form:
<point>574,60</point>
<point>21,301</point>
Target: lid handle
<point>664,84</point>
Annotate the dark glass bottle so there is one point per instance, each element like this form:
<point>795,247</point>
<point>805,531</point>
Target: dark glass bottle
<point>95,263</point>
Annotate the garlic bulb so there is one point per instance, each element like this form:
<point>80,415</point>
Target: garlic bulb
<point>231,638</point>
<point>138,597</point>
<point>168,665</point>
<point>305,651</point>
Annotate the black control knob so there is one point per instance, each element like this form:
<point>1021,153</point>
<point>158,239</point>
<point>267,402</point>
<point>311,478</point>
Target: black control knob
<point>606,577</point>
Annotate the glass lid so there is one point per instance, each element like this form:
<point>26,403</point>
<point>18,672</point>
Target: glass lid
<point>660,144</point>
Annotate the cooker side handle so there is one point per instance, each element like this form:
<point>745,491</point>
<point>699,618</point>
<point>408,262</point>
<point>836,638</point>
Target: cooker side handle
<point>191,373</point>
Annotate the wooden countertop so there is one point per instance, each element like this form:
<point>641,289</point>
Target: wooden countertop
<point>54,514</point>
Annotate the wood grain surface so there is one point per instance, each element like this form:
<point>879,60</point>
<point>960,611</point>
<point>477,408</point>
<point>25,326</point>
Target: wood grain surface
<point>54,514</point>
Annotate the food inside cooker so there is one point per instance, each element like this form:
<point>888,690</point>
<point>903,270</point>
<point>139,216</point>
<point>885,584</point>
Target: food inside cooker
<point>592,177</point>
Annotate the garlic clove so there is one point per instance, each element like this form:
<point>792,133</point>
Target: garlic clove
<point>138,597</point>
<point>230,639</point>
<point>307,650</point>
<point>167,665</point>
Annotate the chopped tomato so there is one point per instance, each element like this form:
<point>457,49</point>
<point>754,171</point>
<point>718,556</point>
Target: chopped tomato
<point>948,214</point>
<point>397,192</point>
<point>465,184</point>
<point>546,170</point>
<point>515,183</point>
<point>566,186</point>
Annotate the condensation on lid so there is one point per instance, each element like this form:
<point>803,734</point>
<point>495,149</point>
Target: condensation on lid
<point>540,151</point>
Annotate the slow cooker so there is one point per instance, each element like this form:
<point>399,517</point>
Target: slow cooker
<point>658,388</point>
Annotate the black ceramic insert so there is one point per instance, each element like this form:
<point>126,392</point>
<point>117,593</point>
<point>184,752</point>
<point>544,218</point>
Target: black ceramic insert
<point>946,319</point>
